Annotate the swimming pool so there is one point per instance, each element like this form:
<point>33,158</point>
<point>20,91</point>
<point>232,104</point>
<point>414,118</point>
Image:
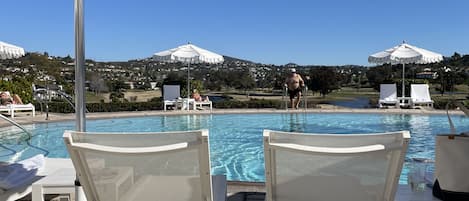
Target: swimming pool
<point>236,139</point>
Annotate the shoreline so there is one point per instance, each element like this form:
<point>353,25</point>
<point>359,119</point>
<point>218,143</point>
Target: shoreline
<point>25,118</point>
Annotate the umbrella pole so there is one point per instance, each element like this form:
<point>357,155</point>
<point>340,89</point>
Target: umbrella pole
<point>188,84</point>
<point>79,83</point>
<point>403,82</point>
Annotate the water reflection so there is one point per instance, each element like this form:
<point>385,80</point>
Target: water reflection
<point>420,127</point>
<point>294,122</point>
<point>185,122</point>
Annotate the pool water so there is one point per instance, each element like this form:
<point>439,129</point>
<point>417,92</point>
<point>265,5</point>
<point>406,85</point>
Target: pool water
<point>236,139</point>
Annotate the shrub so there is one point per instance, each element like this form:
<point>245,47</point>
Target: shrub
<point>252,103</point>
<point>62,107</point>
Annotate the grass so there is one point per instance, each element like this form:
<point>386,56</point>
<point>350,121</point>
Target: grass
<point>345,93</point>
<point>131,95</point>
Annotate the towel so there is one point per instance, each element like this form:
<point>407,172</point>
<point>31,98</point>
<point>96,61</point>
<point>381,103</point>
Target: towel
<point>20,173</point>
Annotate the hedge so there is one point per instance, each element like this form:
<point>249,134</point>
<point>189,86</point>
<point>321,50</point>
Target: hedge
<point>62,107</point>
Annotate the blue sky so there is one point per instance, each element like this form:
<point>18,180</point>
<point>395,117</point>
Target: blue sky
<point>325,32</point>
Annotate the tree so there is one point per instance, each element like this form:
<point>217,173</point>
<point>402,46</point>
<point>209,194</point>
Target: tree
<point>323,80</point>
<point>242,80</point>
<point>117,85</point>
<point>379,75</point>
<point>117,97</point>
<point>20,86</point>
<point>97,84</point>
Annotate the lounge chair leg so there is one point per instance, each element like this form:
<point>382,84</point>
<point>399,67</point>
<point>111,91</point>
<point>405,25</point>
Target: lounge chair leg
<point>38,193</point>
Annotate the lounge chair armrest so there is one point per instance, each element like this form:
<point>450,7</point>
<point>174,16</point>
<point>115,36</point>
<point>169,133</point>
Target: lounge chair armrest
<point>131,150</point>
<point>332,150</point>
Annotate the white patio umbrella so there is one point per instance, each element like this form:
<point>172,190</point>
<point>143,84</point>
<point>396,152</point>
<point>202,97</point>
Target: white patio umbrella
<point>405,54</point>
<point>9,51</point>
<point>188,54</point>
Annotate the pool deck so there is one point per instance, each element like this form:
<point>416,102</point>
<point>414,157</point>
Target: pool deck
<point>25,117</point>
<point>255,191</point>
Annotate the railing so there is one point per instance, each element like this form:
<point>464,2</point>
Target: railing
<point>42,95</point>
<point>27,140</point>
<point>303,97</point>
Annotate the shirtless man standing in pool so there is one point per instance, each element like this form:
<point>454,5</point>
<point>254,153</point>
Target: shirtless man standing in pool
<point>295,84</point>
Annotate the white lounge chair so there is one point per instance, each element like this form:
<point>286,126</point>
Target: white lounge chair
<point>22,107</point>
<point>420,95</point>
<point>200,104</point>
<point>11,108</point>
<point>388,95</point>
<point>171,93</point>
<point>50,166</point>
<point>330,167</point>
<point>5,108</point>
<point>145,166</point>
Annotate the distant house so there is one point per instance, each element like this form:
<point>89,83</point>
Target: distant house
<point>427,73</point>
<point>291,65</point>
<point>131,85</point>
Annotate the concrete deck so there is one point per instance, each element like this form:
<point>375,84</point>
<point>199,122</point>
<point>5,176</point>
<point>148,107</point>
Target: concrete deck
<point>255,191</point>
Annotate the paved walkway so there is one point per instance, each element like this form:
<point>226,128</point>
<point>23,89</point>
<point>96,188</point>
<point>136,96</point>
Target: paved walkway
<point>256,192</point>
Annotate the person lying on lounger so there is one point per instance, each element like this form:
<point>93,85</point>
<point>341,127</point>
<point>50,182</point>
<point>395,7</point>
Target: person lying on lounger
<point>6,99</point>
<point>196,96</point>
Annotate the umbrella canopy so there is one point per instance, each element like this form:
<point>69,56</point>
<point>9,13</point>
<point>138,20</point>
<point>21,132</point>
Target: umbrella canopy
<point>188,54</point>
<point>405,54</point>
<point>9,51</point>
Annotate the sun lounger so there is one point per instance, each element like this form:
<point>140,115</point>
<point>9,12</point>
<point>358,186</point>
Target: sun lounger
<point>171,93</point>
<point>420,95</point>
<point>11,108</point>
<point>145,166</point>
<point>50,165</point>
<point>388,95</point>
<point>200,104</point>
<point>327,167</point>
<point>22,107</point>
<point>5,108</point>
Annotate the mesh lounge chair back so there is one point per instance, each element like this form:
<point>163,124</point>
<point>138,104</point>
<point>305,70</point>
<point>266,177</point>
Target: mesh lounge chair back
<point>142,166</point>
<point>171,92</point>
<point>387,94</point>
<point>330,167</point>
<point>420,94</point>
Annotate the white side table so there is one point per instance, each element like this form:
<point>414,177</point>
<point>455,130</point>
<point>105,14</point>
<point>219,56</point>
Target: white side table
<point>187,103</point>
<point>405,101</point>
<point>61,181</point>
